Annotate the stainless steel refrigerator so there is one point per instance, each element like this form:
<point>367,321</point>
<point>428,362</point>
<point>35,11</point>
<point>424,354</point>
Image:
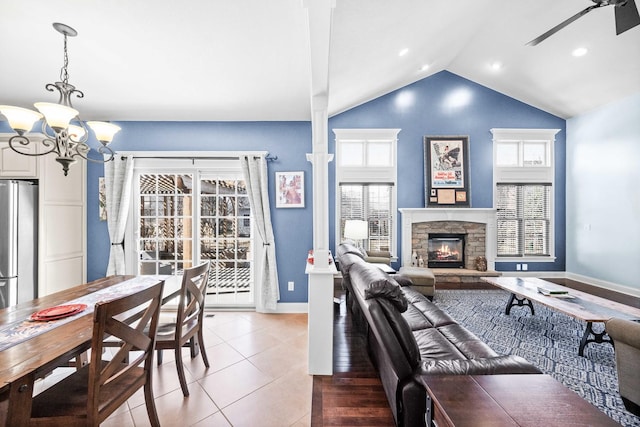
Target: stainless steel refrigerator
<point>18,241</point>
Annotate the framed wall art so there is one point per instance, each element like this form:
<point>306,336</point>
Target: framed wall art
<point>290,189</point>
<point>446,169</point>
<point>102,199</point>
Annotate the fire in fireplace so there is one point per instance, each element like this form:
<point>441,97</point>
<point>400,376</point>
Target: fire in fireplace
<point>445,250</point>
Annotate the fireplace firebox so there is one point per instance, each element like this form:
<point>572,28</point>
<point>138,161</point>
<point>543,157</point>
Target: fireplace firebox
<point>445,250</point>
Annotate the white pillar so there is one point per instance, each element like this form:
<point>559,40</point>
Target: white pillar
<point>322,271</point>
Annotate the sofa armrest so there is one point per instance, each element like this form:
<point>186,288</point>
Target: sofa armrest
<point>380,257</point>
<point>509,364</point>
<point>625,331</point>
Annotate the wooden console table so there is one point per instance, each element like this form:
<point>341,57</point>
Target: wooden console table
<point>527,400</point>
<point>580,305</point>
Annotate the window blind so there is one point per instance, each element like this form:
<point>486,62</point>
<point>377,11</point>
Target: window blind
<point>372,203</point>
<point>524,218</point>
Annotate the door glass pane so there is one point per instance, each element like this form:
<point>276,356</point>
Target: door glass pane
<point>165,225</point>
<point>225,241</point>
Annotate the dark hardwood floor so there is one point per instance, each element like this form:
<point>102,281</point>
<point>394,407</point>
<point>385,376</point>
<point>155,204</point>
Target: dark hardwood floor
<point>353,395</point>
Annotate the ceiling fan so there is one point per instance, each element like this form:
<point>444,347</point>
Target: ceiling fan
<point>626,14</point>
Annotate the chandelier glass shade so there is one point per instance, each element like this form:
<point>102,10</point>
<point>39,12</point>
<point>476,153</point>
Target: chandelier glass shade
<point>66,135</point>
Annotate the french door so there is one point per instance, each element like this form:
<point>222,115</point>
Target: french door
<point>187,217</point>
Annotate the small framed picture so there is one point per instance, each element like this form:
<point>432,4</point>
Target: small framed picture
<point>290,189</point>
<point>446,196</point>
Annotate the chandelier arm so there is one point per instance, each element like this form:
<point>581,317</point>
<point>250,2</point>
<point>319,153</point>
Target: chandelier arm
<point>65,90</point>
<point>82,150</point>
<point>85,136</point>
<point>21,140</point>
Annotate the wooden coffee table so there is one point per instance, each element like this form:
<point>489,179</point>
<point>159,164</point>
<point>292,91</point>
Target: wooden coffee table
<point>580,305</point>
<point>527,400</point>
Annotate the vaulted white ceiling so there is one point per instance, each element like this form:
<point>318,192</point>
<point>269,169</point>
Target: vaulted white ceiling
<point>212,60</point>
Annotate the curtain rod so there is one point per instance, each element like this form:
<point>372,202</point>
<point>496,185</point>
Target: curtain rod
<point>268,157</point>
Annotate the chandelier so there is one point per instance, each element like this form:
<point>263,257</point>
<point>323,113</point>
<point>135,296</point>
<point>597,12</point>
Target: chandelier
<point>65,133</point>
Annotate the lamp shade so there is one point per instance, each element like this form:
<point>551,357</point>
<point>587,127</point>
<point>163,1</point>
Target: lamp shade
<point>356,229</point>
<point>104,131</point>
<point>20,119</point>
<point>57,116</point>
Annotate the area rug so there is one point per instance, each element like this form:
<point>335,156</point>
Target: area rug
<point>549,340</point>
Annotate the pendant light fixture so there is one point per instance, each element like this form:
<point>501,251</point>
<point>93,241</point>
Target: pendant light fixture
<point>66,135</point>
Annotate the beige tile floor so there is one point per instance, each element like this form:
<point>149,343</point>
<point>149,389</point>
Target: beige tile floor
<point>258,377</point>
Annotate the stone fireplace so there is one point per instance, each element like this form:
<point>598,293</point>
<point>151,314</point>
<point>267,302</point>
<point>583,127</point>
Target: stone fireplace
<point>477,225</point>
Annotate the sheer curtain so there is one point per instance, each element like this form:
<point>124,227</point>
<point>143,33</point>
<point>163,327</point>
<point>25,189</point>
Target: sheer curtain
<point>118,175</point>
<point>255,175</point>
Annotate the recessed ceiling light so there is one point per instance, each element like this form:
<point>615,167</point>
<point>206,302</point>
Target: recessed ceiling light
<point>425,67</point>
<point>581,51</point>
<point>496,65</point>
<point>403,52</point>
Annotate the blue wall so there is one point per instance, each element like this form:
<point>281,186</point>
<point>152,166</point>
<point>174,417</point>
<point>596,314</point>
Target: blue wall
<point>442,104</point>
<point>603,201</point>
<point>447,104</point>
<point>289,141</point>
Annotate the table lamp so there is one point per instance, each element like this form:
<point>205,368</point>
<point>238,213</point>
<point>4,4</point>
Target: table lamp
<point>356,230</point>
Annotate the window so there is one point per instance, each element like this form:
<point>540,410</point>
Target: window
<point>524,219</point>
<point>187,212</point>
<point>366,175</point>
<point>373,202</point>
<point>524,178</point>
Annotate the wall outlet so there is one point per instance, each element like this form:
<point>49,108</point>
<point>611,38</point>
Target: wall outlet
<point>525,267</point>
<point>291,285</point>
<point>518,267</point>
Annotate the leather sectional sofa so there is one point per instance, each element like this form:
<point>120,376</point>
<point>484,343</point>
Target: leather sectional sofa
<point>410,338</point>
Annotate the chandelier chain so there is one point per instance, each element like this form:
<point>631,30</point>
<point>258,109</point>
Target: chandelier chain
<point>64,73</point>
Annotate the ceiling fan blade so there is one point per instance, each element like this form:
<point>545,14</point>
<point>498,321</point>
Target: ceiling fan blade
<point>563,24</point>
<point>626,17</point>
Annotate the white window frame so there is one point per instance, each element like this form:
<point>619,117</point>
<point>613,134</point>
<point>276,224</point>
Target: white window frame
<point>366,174</point>
<point>522,173</point>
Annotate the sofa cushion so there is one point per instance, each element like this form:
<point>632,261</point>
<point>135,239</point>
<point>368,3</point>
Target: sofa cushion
<point>349,247</point>
<point>378,285</point>
<point>422,312</point>
<point>434,346</point>
<point>402,332</point>
<point>402,280</point>
<point>466,342</point>
<point>347,260</point>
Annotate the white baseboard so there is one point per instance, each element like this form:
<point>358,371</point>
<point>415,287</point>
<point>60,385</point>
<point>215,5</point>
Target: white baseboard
<point>293,307</point>
<point>604,284</point>
<point>540,274</point>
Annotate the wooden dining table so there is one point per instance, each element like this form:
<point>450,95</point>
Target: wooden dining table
<point>35,355</point>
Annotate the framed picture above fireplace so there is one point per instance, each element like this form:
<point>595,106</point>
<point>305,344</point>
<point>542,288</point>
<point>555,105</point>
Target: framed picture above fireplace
<point>446,171</point>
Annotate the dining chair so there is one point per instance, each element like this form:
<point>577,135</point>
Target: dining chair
<point>188,325</point>
<point>89,395</point>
